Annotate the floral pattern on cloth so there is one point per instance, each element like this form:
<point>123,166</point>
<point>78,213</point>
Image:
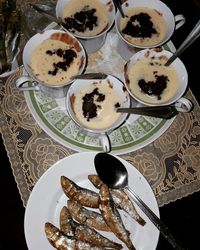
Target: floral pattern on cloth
<point>170,164</point>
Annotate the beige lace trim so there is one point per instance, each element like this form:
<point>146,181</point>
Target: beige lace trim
<point>170,164</point>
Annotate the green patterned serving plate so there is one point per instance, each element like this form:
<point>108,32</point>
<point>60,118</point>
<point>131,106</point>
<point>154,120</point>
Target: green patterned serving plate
<point>51,114</point>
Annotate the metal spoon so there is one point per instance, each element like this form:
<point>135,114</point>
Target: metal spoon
<point>97,75</point>
<point>194,34</point>
<point>42,10</point>
<point>164,112</point>
<point>113,173</point>
<point>119,7</point>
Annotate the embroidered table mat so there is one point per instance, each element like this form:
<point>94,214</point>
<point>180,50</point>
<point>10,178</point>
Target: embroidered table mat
<point>170,163</point>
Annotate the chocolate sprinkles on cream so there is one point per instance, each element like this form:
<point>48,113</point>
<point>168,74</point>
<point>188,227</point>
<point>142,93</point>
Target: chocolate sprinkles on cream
<point>143,26</point>
<point>85,17</point>
<point>151,81</point>
<point>56,59</point>
<point>95,105</point>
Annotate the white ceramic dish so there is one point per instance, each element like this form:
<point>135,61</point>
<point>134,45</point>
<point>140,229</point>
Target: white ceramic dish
<point>47,199</point>
<point>107,3</point>
<point>178,66</point>
<point>172,22</point>
<point>90,43</point>
<point>53,89</point>
<point>124,101</point>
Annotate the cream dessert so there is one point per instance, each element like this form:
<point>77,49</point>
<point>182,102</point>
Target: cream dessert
<point>95,105</point>
<point>85,18</point>
<point>56,59</point>
<point>143,26</point>
<point>152,82</point>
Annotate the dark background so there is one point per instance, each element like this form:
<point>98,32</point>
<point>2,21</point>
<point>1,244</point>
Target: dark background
<point>182,216</point>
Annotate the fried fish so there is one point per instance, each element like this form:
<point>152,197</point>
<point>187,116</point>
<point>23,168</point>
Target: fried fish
<point>120,198</point>
<point>112,217</point>
<point>82,232</point>
<point>83,196</point>
<point>87,217</point>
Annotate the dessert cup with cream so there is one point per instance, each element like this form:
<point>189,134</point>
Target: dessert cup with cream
<point>88,20</point>
<point>92,105</point>
<point>152,83</point>
<point>147,24</point>
<point>51,59</point>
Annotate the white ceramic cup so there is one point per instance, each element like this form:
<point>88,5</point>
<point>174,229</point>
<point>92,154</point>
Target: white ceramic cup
<point>127,49</point>
<point>101,133</point>
<point>177,65</point>
<point>90,43</point>
<point>31,81</point>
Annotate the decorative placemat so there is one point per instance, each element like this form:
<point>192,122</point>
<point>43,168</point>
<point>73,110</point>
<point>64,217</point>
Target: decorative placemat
<point>170,164</point>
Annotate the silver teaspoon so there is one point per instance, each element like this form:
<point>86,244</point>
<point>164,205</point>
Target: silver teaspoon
<point>43,11</point>
<point>164,112</point>
<point>113,173</point>
<point>194,34</point>
<point>119,7</point>
<point>97,75</point>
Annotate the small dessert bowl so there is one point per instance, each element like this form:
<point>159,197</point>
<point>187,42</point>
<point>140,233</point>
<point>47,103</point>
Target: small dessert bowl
<point>146,24</point>
<point>92,105</point>
<point>88,20</point>
<point>51,59</point>
<point>152,83</point>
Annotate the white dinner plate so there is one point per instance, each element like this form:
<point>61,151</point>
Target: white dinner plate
<point>47,199</point>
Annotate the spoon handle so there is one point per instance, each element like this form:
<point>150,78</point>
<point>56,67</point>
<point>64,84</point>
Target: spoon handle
<point>194,34</point>
<point>154,219</point>
<point>44,13</point>
<point>164,112</point>
<point>97,75</point>
<point>119,7</point>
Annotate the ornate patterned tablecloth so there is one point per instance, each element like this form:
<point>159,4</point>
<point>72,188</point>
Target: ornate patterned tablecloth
<point>170,164</point>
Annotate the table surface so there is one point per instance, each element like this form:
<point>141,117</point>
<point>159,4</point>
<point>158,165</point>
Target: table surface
<point>170,164</point>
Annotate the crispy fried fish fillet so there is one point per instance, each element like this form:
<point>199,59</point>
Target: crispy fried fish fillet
<point>82,232</point>
<point>120,199</point>
<point>87,217</point>
<point>112,216</point>
<point>83,196</point>
<point>62,242</point>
